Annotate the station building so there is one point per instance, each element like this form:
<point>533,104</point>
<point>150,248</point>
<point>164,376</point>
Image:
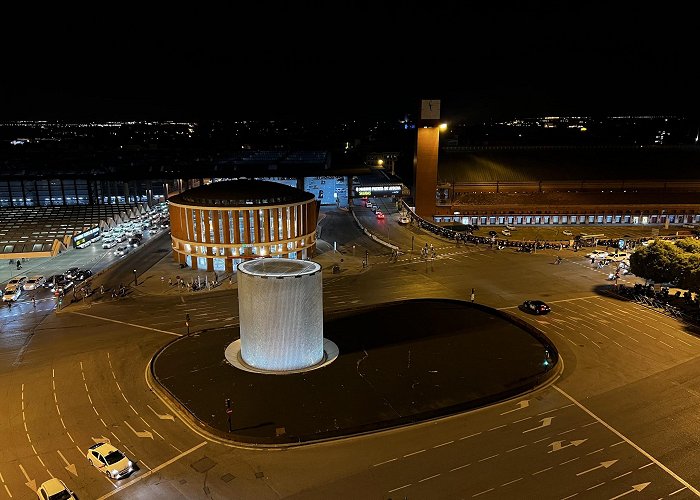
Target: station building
<point>554,185</point>
<point>217,226</point>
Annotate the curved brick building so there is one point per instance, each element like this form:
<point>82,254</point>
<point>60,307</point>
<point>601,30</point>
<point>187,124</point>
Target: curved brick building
<point>217,226</point>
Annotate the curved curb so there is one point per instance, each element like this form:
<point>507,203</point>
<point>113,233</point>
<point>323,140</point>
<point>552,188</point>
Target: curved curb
<point>191,420</point>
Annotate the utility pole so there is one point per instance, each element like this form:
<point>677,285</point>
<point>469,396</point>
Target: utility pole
<point>229,411</point>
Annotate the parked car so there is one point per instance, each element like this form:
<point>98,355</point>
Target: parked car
<point>134,242</point>
<point>11,293</point>
<point>597,254</point>
<point>619,257</point>
<point>121,250</point>
<point>505,232</point>
<point>511,228</point>
<point>70,273</point>
<point>567,232</point>
<point>109,460</point>
<point>109,243</point>
<point>55,489</point>
<point>17,281</point>
<point>62,286</point>
<point>52,279</point>
<point>536,307</point>
<point>493,233</point>
<point>34,282</point>
<point>83,275</point>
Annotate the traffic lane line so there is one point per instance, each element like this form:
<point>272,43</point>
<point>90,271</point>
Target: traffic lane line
<point>126,323</point>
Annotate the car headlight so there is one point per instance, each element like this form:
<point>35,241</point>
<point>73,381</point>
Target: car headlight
<point>115,472</point>
<point>131,464</point>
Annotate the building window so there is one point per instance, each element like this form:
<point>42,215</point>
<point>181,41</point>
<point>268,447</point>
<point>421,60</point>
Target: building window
<point>618,219</point>
<point>627,219</point>
<point>608,219</point>
<point>520,219</point>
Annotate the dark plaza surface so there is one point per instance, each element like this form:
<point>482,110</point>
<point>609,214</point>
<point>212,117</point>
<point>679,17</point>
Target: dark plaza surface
<point>399,363</point>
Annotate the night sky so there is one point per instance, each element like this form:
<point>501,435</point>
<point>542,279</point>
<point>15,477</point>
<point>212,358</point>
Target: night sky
<point>337,60</point>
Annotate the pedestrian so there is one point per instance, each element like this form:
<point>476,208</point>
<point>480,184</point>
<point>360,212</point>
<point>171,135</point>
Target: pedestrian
<point>162,279</point>
<point>216,277</point>
<point>102,289</point>
<point>9,304</point>
<point>170,281</point>
<point>34,302</point>
<point>473,295</point>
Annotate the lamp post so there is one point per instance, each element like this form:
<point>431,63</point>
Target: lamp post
<point>135,282</point>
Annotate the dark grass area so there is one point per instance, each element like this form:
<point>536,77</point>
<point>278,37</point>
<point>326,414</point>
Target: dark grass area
<point>399,363</point>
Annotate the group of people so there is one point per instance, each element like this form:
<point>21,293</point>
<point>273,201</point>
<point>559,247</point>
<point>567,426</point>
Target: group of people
<point>428,251</point>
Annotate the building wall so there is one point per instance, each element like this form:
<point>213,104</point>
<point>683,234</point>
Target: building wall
<point>219,238</point>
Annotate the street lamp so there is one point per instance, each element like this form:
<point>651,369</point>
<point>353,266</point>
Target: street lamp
<point>135,283</point>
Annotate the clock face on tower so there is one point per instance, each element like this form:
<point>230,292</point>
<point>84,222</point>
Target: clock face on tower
<point>430,109</point>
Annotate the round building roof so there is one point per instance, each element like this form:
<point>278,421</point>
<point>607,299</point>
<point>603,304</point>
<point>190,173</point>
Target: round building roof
<point>279,268</point>
<point>242,193</point>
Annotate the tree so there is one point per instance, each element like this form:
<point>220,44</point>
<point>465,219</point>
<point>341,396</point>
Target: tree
<point>665,261</point>
<point>657,262</point>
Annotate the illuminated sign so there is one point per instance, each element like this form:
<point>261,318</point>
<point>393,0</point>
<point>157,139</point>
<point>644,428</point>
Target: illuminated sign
<point>370,190</point>
<point>82,238</point>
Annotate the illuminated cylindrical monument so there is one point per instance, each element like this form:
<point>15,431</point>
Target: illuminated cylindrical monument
<point>280,304</point>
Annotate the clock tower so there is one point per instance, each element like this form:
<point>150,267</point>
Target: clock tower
<point>426,159</point>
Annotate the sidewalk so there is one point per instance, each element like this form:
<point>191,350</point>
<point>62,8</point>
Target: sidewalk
<point>162,278</point>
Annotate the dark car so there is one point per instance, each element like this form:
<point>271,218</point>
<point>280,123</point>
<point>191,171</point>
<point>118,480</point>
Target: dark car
<point>83,275</point>
<point>536,307</point>
<point>493,233</point>
<point>71,273</point>
<point>56,278</point>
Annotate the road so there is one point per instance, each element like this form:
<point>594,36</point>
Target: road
<point>621,421</point>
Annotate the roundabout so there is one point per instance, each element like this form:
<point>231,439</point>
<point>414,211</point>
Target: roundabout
<point>395,364</point>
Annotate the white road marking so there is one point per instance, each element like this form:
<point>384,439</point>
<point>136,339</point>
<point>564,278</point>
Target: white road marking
<point>126,323</point>
<point>460,467</point>
<point>153,471</point>
<point>443,444</point>
<point>385,462</point>
<point>400,488</point>
<point>414,453</point>
<point>628,441</point>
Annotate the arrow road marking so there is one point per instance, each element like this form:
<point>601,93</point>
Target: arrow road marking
<point>602,464</point>
<point>636,487</point>
<point>31,484</point>
<point>521,404</point>
<point>167,416</point>
<point>141,434</point>
<point>100,439</point>
<point>545,422</point>
<point>556,445</point>
<point>69,467</point>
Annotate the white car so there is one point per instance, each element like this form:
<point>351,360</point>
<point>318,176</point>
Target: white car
<point>54,489</point>
<point>11,293</point>
<point>109,243</point>
<point>597,254</point>
<point>34,282</point>
<point>17,281</point>
<point>619,257</point>
<point>511,228</point>
<point>404,219</point>
<point>505,232</point>
<point>109,460</point>
<point>567,232</point>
